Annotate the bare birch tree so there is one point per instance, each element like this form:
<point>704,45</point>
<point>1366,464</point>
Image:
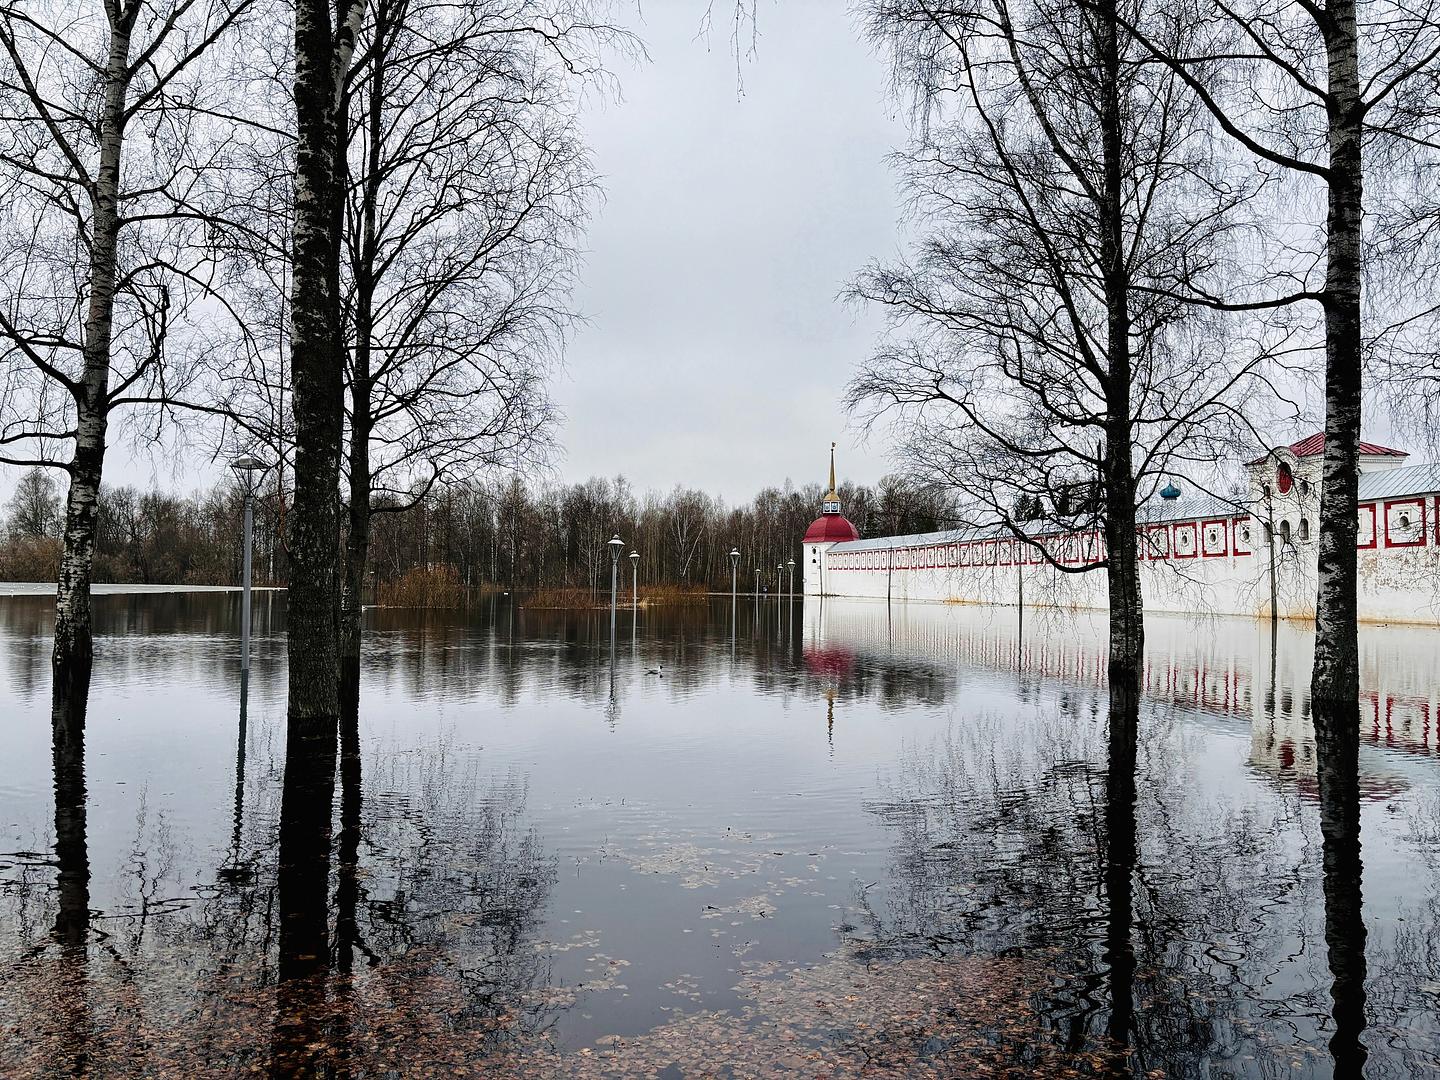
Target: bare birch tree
<point>1310,89</point>
<point>101,250</point>
<point>468,188</point>
<point>1041,363</point>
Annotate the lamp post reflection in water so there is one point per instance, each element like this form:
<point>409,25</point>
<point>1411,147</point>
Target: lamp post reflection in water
<point>236,871</point>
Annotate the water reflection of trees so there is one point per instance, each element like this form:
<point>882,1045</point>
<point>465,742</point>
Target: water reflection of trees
<point>1185,935</point>
<point>423,927</point>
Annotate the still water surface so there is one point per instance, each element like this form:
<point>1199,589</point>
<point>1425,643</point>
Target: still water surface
<point>832,841</point>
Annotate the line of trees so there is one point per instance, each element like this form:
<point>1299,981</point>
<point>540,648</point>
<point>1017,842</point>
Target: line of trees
<point>503,534</point>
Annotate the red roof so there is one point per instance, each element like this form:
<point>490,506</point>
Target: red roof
<point>830,529</point>
<point>1314,446</point>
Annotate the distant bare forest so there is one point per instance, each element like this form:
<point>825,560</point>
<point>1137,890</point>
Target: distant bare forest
<point>506,534</point>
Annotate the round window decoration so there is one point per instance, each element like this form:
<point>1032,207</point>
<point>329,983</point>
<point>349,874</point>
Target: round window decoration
<point>1283,478</point>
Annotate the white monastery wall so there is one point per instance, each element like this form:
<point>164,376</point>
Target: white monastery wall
<point>1206,565</point>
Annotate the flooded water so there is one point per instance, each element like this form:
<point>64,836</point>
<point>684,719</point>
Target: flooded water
<point>843,840</point>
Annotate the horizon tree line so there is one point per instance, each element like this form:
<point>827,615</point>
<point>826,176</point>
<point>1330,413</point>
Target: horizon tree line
<point>488,535</point>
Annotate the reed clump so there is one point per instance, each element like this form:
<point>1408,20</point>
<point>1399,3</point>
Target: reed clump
<point>428,587</point>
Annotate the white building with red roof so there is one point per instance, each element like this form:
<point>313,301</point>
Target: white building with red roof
<point>1199,553</point>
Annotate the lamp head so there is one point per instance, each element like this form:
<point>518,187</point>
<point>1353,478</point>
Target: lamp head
<point>634,555</point>
<point>246,467</point>
<point>734,557</point>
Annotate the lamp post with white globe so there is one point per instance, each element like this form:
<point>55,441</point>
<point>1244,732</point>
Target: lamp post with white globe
<point>635,580</point>
<point>616,545</point>
<point>248,469</point>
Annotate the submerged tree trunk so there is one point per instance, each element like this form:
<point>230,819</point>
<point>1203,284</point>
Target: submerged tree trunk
<point>1119,862</point>
<point>73,636</point>
<point>69,699</point>
<point>1336,676</point>
<point>1337,748</point>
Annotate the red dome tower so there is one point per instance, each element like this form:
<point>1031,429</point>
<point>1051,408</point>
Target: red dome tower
<point>830,528</point>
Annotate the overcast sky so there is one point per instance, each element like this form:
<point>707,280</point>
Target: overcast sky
<point>717,349</point>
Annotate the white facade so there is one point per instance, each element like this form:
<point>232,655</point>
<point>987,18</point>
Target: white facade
<point>1198,554</point>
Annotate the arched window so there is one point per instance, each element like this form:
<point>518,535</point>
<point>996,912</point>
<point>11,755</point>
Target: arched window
<point>1304,530</point>
<point>1284,532</point>
<point>1283,478</point>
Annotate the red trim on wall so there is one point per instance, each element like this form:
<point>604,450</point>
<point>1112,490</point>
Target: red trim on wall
<point>1224,538</point>
<point>1175,551</point>
<point>1420,537</point>
<point>1236,524</point>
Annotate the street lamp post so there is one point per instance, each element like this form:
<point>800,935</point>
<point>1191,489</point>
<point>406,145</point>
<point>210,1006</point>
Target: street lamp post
<point>734,567</point>
<point>791,564</point>
<point>635,579</point>
<point>616,545</point>
<point>779,581</point>
<point>246,469</point>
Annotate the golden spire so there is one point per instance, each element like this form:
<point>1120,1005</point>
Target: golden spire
<point>831,504</point>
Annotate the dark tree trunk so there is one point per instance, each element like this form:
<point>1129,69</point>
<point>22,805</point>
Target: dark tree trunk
<point>357,539</point>
<point>1336,676</point>
<point>1120,855</point>
<point>1337,746</point>
<point>1127,617</point>
<point>73,640</point>
<point>69,697</point>
<point>317,382</point>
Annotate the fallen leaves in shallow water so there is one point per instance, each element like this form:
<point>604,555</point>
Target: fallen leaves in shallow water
<point>916,1017</point>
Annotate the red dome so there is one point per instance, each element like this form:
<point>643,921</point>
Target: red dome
<point>830,529</point>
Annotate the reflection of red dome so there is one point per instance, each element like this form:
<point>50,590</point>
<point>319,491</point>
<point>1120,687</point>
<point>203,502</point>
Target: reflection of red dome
<point>832,663</point>
<point>830,528</point>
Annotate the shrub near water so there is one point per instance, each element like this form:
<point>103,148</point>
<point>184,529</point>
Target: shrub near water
<point>427,587</point>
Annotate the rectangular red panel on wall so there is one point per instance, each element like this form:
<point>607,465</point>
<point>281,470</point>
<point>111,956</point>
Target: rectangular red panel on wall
<point>1241,541</point>
<point>1214,539</point>
<point>1404,522</point>
<point>1185,540</point>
